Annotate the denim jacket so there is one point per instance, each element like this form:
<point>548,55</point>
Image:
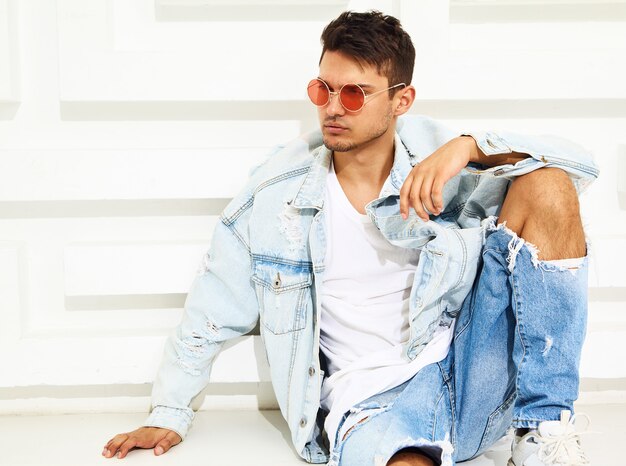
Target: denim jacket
<point>266,261</point>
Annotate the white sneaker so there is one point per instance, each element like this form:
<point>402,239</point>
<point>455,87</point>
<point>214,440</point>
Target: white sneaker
<point>554,443</point>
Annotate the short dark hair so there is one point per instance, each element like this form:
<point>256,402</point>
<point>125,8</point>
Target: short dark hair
<point>374,39</point>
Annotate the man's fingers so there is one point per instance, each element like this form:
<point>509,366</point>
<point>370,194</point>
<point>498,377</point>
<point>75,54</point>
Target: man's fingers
<point>174,437</point>
<point>426,196</point>
<point>110,449</point>
<point>162,447</point>
<point>126,447</point>
<point>416,203</point>
<point>437,195</point>
<point>145,437</point>
<point>415,200</point>
<point>416,193</point>
<point>171,439</point>
<point>405,191</point>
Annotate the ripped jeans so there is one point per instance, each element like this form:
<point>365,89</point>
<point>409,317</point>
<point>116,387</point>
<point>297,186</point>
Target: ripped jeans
<point>513,363</point>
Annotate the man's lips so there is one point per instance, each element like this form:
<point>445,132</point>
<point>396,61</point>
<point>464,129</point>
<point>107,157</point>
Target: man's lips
<point>334,128</point>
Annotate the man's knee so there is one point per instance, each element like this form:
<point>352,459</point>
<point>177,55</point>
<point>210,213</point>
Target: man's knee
<point>542,207</point>
<point>410,457</point>
<point>547,191</point>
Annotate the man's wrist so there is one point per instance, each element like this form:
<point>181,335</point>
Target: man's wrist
<point>474,150</point>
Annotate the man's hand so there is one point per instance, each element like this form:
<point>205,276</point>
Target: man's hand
<point>144,437</point>
<point>423,188</point>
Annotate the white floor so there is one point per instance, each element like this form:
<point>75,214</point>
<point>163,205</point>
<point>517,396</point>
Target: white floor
<point>225,438</point>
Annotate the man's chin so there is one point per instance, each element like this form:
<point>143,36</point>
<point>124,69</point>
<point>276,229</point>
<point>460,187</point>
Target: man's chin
<point>339,146</point>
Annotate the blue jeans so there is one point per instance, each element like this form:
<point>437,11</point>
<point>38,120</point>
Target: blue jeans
<point>513,362</point>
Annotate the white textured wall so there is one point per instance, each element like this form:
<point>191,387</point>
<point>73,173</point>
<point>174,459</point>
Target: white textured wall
<point>126,125</point>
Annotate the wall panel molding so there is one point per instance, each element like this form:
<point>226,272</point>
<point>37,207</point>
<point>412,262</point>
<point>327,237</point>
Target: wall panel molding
<point>113,208</point>
<point>56,312</point>
<point>446,69</point>
<point>98,64</point>
<point>621,176</point>
<point>9,63</point>
<point>521,108</point>
<point>533,11</point>
<point>248,10</point>
<point>214,110</point>
<point>120,175</point>
<point>139,268</point>
<point>13,293</point>
<point>73,361</point>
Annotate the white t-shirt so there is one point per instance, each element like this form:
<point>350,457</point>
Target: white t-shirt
<point>364,322</point>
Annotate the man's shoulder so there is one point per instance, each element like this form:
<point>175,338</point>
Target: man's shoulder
<point>423,133</point>
<point>280,174</point>
<point>297,154</point>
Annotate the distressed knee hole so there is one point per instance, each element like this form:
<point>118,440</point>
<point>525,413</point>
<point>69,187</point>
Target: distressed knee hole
<point>351,428</point>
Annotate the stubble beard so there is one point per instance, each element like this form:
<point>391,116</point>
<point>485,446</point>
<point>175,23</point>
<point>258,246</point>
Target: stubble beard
<point>375,133</point>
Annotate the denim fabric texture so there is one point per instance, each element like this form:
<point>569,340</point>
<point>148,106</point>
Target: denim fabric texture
<point>266,261</point>
<point>513,362</point>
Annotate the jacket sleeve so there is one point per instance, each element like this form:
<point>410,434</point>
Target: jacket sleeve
<point>221,305</point>
<point>544,151</point>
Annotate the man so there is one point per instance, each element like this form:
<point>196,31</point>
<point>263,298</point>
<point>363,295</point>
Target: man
<point>404,323</point>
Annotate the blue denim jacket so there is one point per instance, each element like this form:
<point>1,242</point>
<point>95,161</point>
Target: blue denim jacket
<point>267,261</point>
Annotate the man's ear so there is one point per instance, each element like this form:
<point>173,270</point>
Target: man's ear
<point>404,100</point>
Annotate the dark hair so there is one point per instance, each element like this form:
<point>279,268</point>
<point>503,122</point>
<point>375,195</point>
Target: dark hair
<point>374,39</point>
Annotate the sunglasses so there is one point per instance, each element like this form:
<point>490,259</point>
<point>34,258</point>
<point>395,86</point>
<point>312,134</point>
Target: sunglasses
<point>351,96</point>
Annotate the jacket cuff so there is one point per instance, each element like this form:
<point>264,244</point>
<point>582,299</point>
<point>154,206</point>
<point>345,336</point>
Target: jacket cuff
<point>489,143</point>
<point>176,419</point>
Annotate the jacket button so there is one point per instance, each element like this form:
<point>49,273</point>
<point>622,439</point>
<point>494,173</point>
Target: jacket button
<point>303,422</point>
<point>311,371</point>
<point>277,281</point>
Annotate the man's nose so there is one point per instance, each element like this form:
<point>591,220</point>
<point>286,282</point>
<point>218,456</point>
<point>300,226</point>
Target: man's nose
<point>334,106</point>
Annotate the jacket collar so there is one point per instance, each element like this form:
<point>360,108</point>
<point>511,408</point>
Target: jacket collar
<point>311,192</point>
<point>403,162</point>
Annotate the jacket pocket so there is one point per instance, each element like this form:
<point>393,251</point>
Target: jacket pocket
<point>283,293</point>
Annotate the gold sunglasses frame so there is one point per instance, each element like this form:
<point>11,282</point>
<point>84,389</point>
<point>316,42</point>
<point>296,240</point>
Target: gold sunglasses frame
<point>338,93</point>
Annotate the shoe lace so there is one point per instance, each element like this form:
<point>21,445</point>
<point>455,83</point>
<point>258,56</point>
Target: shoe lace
<point>565,448</point>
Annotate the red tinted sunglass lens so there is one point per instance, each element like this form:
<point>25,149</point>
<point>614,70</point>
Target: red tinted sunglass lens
<point>318,92</point>
<point>352,97</point>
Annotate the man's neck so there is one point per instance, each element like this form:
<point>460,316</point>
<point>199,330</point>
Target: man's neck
<point>363,171</point>
<point>368,165</point>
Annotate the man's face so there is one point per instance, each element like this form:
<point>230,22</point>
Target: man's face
<point>342,130</point>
